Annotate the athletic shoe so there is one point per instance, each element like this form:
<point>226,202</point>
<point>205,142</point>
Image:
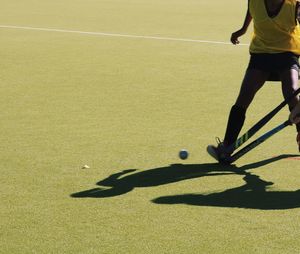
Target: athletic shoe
<point>219,152</point>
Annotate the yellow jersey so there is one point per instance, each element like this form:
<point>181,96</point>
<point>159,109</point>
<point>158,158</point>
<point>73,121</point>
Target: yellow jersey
<point>277,34</point>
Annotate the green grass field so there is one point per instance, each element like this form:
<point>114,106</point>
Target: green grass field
<point>125,106</point>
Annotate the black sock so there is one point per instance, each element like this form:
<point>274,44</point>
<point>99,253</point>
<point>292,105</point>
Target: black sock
<point>235,123</point>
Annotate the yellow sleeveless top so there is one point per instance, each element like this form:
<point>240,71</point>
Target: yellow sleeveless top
<point>278,34</point>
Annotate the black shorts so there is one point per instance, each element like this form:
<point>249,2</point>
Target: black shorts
<point>274,63</point>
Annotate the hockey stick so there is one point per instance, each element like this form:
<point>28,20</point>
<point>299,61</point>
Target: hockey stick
<point>258,141</point>
<point>260,123</point>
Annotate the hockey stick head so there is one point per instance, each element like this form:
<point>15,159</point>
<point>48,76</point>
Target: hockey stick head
<point>259,140</point>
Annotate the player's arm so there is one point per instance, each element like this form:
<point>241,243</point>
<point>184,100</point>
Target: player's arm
<point>295,114</point>
<point>235,36</point>
<point>298,11</point>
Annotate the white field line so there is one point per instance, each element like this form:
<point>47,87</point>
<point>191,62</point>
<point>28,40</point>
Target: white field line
<point>117,35</point>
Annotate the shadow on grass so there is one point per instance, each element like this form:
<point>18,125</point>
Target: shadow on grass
<point>251,195</point>
<point>126,180</point>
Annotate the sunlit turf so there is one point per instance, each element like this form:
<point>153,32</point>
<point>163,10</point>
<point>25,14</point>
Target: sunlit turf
<point>125,107</point>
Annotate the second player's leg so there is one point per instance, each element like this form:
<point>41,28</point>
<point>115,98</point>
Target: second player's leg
<point>289,79</point>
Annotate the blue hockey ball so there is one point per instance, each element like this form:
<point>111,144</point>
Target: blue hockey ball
<point>183,154</point>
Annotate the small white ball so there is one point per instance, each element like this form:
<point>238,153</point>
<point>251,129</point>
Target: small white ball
<point>183,154</point>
